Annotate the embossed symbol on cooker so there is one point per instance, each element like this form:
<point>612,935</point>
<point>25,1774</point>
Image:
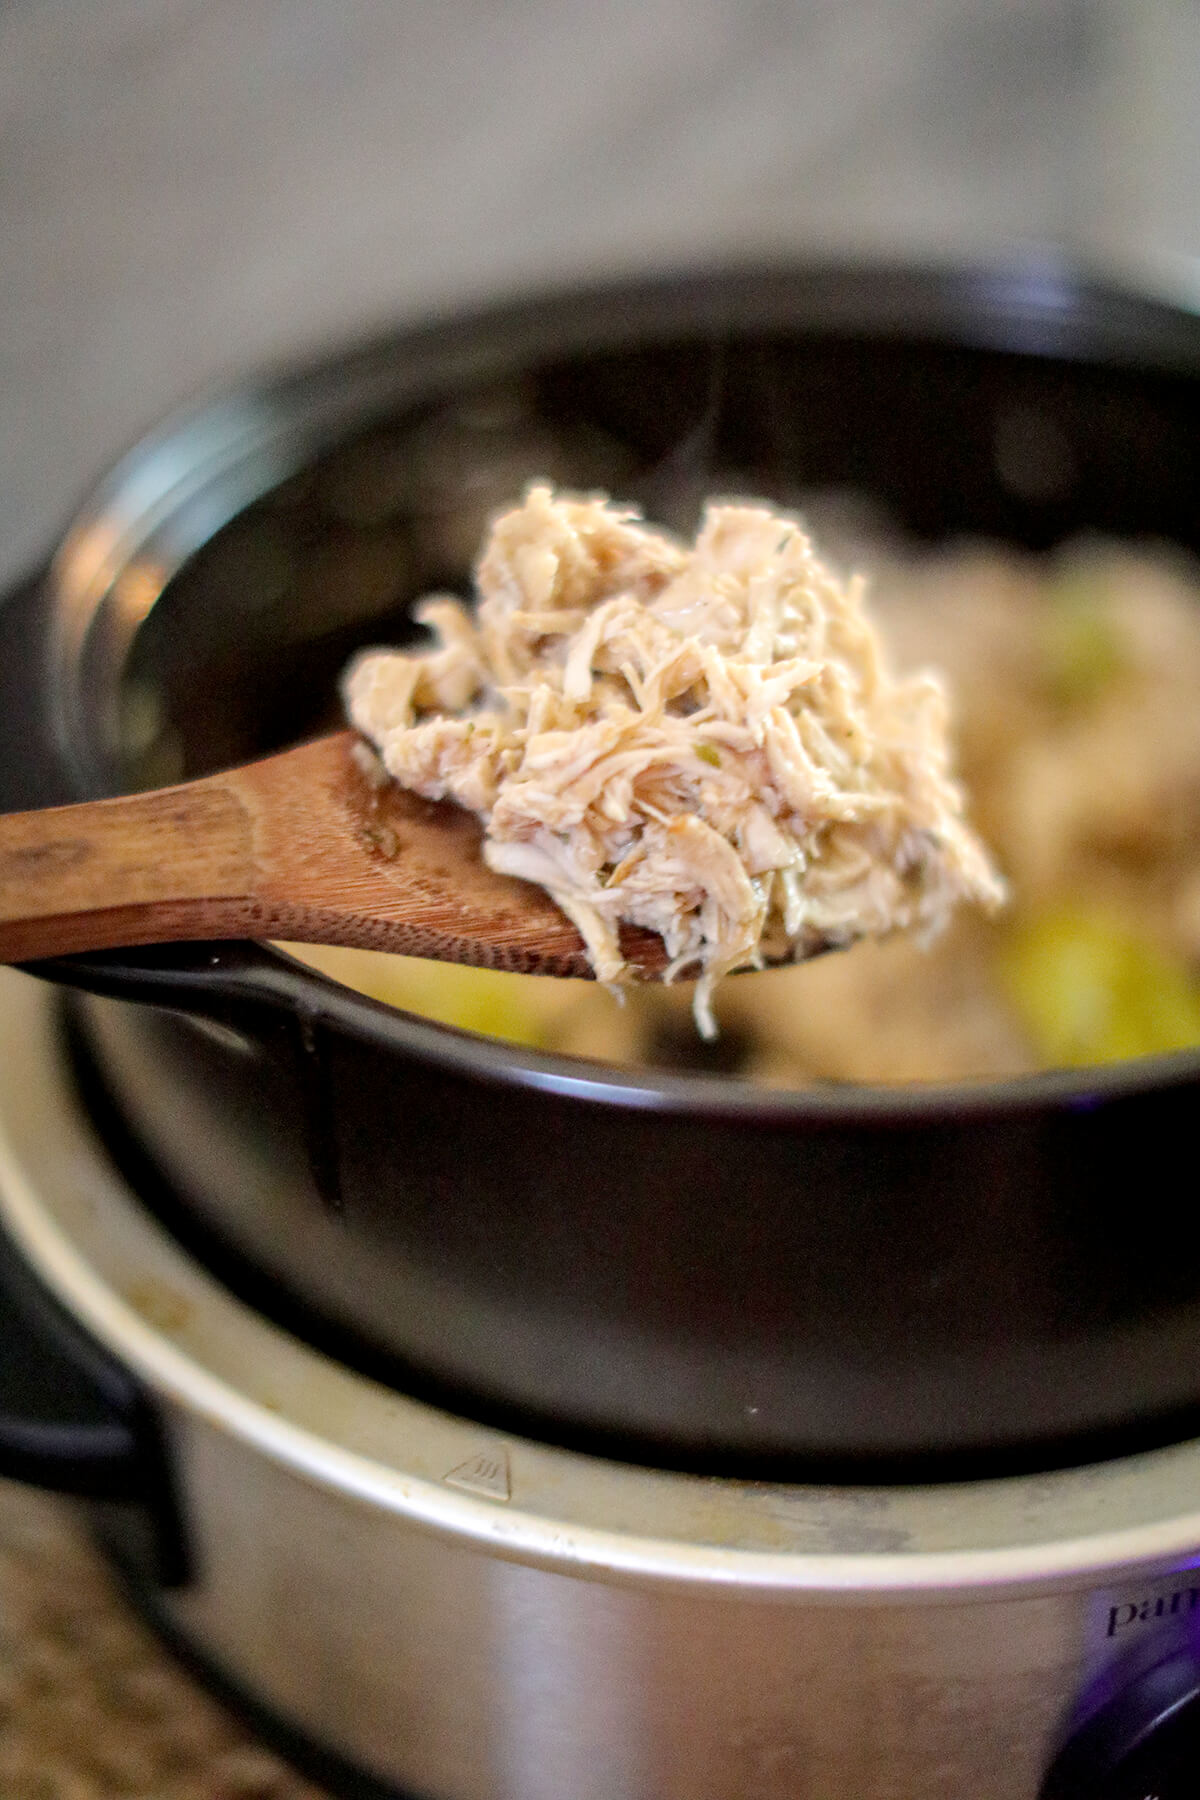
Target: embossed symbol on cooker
<point>487,1473</point>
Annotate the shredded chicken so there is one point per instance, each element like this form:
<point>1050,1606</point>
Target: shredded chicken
<point>703,740</point>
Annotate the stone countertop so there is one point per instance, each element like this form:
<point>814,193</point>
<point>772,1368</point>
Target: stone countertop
<point>91,1706</point>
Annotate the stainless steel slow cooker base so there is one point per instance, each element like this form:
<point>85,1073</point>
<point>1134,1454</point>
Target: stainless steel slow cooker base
<point>470,1616</point>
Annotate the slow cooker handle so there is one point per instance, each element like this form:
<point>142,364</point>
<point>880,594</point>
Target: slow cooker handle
<point>215,980</point>
<point>74,1421</point>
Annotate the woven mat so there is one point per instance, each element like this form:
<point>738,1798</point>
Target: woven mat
<point>91,1706</point>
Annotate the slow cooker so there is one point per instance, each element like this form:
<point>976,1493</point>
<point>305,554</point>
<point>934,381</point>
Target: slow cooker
<point>495,1424</point>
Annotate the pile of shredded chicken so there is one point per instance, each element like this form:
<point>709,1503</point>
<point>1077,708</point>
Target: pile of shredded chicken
<point>703,739</point>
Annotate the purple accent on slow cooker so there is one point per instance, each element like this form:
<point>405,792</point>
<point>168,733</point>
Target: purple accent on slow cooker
<point>659,1264</point>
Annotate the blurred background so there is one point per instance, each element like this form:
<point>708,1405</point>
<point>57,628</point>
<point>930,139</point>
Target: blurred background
<point>188,187</point>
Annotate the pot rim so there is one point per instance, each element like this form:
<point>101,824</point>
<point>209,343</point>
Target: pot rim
<point>702,1094</point>
<point>1043,307</point>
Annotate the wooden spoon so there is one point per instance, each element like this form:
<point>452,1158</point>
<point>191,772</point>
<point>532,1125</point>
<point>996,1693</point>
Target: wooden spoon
<point>303,846</point>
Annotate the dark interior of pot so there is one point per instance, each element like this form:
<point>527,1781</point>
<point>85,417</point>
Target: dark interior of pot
<point>542,1263</point>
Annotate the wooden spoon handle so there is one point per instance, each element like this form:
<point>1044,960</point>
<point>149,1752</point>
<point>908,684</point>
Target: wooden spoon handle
<point>142,868</point>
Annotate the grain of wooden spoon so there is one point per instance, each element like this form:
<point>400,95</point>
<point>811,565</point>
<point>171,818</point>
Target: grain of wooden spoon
<point>300,846</point>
